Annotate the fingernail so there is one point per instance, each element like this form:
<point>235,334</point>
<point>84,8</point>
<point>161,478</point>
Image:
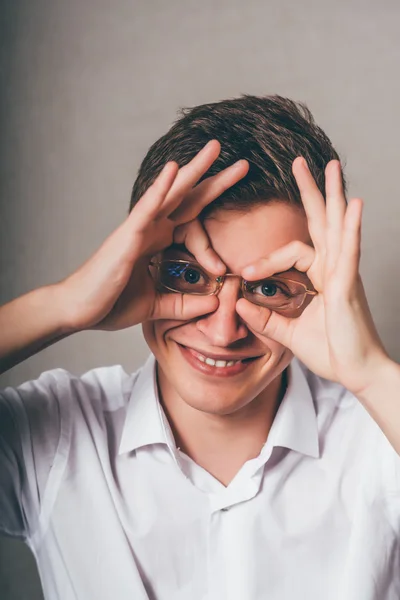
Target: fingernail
<point>219,265</point>
<point>238,163</point>
<point>210,142</point>
<point>249,271</point>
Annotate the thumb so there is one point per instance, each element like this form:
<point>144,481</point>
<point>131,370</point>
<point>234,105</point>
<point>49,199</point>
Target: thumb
<point>264,322</point>
<point>183,306</point>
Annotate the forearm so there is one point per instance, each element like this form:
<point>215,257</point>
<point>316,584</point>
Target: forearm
<point>382,401</point>
<point>29,324</point>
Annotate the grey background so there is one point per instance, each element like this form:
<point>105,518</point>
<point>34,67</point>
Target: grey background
<point>87,86</point>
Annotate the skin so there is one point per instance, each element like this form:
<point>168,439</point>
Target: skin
<point>336,337</point>
<point>222,422</point>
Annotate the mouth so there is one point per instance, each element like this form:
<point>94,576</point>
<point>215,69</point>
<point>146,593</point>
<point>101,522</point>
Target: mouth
<point>217,366</point>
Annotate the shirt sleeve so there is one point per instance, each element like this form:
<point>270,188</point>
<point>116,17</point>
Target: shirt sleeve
<point>32,434</point>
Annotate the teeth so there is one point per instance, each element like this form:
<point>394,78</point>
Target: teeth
<point>221,363</point>
<point>217,363</point>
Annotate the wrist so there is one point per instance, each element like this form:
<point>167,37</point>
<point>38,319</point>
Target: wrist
<point>54,299</point>
<point>384,375</point>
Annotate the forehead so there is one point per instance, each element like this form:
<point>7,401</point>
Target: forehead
<point>241,238</point>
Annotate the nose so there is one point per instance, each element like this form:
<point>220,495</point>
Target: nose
<point>224,327</point>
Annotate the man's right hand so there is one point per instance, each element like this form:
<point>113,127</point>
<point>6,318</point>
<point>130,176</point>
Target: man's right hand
<point>113,289</point>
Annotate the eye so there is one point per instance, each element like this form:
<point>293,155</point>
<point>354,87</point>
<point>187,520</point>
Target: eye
<point>270,289</point>
<point>192,275</point>
<point>185,277</point>
<point>174,269</point>
<point>266,289</point>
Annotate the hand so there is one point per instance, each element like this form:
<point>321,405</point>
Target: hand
<point>335,336</point>
<point>114,289</point>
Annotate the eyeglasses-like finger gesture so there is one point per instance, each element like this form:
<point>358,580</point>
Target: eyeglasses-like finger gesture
<point>335,336</point>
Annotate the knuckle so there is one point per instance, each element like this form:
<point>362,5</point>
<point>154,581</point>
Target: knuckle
<point>297,246</point>
<point>181,232</point>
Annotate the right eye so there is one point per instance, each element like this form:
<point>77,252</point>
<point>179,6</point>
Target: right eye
<point>192,275</point>
<point>184,271</point>
<point>185,277</point>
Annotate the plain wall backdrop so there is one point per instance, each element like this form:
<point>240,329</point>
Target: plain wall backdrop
<point>88,85</point>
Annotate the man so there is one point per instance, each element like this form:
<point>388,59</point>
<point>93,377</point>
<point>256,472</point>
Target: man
<point>256,454</point>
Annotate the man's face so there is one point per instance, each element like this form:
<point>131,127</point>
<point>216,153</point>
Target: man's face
<point>239,238</point>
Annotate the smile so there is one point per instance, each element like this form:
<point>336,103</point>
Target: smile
<point>214,365</point>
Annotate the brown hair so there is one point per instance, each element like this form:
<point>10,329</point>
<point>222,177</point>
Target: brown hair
<point>268,131</point>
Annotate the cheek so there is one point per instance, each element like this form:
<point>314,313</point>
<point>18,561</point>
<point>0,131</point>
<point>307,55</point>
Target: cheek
<point>149,330</point>
<point>276,360</point>
<point>155,332</point>
<point>271,348</point>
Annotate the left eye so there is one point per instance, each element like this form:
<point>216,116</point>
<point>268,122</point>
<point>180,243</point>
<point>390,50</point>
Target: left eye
<point>266,289</point>
<point>270,289</point>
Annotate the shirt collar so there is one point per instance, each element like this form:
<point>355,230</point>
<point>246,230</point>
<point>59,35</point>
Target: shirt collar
<point>295,424</point>
<point>145,421</point>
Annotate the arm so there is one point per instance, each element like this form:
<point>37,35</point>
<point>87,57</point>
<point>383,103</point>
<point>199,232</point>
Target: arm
<point>113,289</point>
<point>382,400</point>
<point>29,324</point>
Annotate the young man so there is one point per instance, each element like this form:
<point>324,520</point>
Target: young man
<point>256,454</point>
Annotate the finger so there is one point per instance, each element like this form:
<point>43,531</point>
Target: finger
<point>189,175</point>
<point>265,322</point>
<point>208,190</point>
<point>196,240</point>
<point>335,211</point>
<point>149,204</point>
<point>313,202</point>
<point>183,307</point>
<point>349,260</point>
<point>297,255</point>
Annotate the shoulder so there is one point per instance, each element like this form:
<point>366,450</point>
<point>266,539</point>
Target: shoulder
<point>342,415</point>
<point>108,387</point>
<point>337,409</point>
<point>58,390</point>
<point>325,391</point>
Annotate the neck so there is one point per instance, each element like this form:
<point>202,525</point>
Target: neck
<point>221,444</point>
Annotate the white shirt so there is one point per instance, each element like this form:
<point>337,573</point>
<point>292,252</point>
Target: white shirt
<point>91,479</point>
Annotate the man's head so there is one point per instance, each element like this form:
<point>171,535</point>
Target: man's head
<point>259,214</point>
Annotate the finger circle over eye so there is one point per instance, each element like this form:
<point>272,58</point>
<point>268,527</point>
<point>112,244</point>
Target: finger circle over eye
<point>295,255</point>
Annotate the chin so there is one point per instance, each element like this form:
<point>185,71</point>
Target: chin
<point>211,399</point>
<point>214,393</point>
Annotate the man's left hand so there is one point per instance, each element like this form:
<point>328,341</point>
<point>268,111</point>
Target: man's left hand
<point>335,336</point>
